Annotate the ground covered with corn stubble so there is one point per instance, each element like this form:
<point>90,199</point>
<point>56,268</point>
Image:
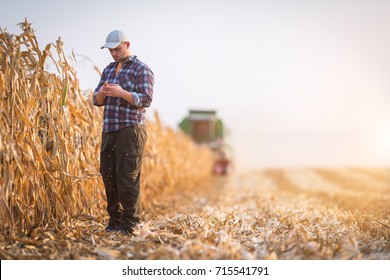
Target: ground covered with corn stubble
<point>268,214</point>
<point>52,197</point>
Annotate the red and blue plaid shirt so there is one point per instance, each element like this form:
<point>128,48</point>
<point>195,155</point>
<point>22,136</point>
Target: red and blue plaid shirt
<point>135,77</point>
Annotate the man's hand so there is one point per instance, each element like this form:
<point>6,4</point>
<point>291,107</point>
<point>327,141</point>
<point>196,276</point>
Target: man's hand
<point>100,96</point>
<point>113,90</point>
<point>116,90</point>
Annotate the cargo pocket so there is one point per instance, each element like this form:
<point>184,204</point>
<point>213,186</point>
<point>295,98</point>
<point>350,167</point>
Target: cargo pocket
<point>141,138</point>
<point>132,167</point>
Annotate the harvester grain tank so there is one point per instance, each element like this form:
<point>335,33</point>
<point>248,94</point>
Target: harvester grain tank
<point>205,128</point>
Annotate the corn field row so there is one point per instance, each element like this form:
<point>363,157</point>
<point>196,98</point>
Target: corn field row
<point>50,143</point>
<point>52,198</point>
<point>268,214</point>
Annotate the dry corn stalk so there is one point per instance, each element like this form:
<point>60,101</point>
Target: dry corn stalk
<point>50,141</point>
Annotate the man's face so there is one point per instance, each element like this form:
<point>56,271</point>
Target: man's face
<point>120,52</point>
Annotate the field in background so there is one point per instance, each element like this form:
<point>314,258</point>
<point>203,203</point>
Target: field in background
<point>269,214</point>
<point>52,198</point>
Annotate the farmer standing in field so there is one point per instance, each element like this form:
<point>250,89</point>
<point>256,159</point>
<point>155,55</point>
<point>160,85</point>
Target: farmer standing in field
<point>125,90</point>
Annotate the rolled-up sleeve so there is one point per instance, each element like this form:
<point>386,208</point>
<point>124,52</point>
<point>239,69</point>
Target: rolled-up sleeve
<point>144,82</point>
<point>96,91</point>
<point>95,101</point>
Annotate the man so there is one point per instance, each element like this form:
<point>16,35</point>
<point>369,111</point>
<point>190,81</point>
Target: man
<point>125,90</point>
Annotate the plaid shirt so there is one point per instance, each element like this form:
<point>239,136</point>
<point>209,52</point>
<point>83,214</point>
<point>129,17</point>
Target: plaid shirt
<point>135,77</point>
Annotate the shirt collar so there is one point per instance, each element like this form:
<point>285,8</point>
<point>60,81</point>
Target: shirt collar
<point>131,58</point>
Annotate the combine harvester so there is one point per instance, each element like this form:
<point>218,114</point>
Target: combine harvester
<point>205,128</point>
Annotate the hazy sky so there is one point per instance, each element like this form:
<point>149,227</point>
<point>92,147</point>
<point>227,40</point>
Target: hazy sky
<point>298,82</point>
